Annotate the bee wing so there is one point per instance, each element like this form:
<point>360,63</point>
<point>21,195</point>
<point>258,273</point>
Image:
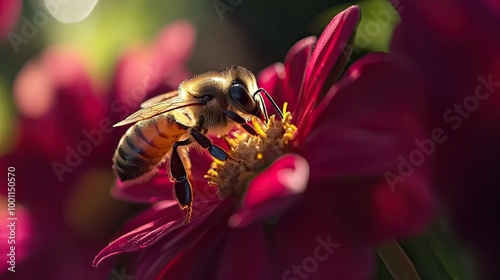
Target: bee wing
<point>159,108</point>
<point>159,98</point>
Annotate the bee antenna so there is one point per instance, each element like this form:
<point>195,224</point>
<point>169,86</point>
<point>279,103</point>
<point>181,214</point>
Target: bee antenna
<point>270,100</point>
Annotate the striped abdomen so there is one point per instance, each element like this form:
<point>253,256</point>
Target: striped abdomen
<point>145,145</point>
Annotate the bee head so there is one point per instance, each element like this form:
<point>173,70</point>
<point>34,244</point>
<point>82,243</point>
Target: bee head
<point>246,102</point>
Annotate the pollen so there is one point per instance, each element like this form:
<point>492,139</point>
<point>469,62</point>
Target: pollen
<point>251,154</point>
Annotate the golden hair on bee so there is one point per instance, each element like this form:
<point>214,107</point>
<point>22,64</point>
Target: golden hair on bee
<point>212,102</point>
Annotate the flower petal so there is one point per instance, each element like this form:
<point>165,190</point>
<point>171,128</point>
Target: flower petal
<point>254,263</point>
<point>58,103</point>
<point>364,132</point>
<point>158,222</point>
<point>295,67</point>
<point>188,246</point>
<point>314,244</point>
<point>328,50</point>
<point>456,54</point>
<point>273,191</point>
<point>146,71</point>
<point>144,235</point>
<point>157,189</point>
<point>169,49</point>
<point>365,122</point>
<point>272,80</point>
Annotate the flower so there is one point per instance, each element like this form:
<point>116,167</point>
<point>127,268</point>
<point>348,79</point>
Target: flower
<point>455,57</point>
<point>64,142</point>
<point>309,197</point>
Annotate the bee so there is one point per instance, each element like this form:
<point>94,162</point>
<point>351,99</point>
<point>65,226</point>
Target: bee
<point>166,125</point>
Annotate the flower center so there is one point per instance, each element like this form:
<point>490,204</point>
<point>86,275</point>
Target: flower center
<point>253,154</point>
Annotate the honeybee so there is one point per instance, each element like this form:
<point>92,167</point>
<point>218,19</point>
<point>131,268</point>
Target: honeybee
<point>165,125</point>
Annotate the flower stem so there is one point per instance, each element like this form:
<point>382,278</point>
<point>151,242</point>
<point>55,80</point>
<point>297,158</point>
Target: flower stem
<point>397,262</point>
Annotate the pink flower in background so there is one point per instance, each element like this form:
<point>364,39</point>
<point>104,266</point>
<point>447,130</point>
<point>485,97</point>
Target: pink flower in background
<point>55,173</point>
<point>64,143</point>
<point>10,10</point>
<point>322,204</point>
<point>453,47</point>
<point>152,69</point>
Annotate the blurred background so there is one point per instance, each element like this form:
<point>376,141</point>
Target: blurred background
<point>58,84</point>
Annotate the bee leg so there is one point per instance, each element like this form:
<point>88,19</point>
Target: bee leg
<point>241,121</point>
<point>182,187</point>
<point>216,151</point>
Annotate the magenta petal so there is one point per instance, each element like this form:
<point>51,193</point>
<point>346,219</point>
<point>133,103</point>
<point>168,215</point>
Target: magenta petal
<point>327,52</point>
<point>401,210</point>
<point>57,102</point>
<point>295,67</point>
<point>149,70</point>
<point>273,191</point>
<point>157,189</point>
<point>160,221</point>
<point>254,263</point>
<point>310,243</point>
<point>362,129</point>
<point>189,246</point>
<point>144,235</point>
<point>272,80</point>
<point>365,122</point>
<point>170,50</point>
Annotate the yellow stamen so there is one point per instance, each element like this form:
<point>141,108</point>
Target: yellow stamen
<point>258,128</point>
<point>285,106</point>
<point>218,162</point>
<point>213,173</point>
<point>231,142</point>
<point>251,154</point>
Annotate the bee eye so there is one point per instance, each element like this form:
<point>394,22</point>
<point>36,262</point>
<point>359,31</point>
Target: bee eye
<point>241,98</point>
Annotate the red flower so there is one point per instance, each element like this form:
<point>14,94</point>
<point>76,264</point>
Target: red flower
<point>64,142</point>
<point>453,46</point>
<point>310,198</point>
